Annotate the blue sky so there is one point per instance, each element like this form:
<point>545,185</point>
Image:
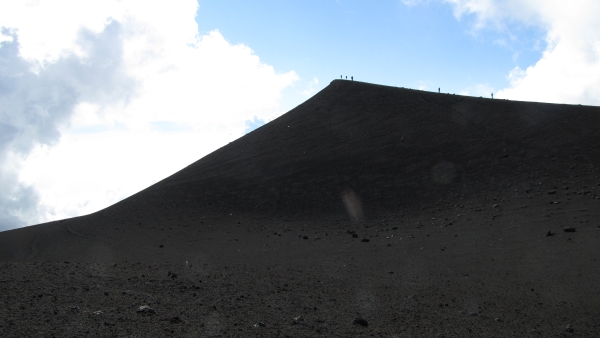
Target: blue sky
<point>385,42</point>
<point>100,99</point>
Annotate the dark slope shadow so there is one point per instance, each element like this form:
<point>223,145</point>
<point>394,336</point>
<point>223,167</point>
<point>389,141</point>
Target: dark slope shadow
<point>353,151</point>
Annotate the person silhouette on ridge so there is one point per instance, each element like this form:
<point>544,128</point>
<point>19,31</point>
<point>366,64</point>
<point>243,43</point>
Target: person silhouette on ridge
<point>352,78</point>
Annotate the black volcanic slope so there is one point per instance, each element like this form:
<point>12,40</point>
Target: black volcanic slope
<point>425,213</point>
<point>395,148</point>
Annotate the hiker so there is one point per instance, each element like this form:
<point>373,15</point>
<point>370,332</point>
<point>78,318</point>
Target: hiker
<point>341,78</point>
<point>492,96</point>
<point>346,77</point>
<point>438,90</point>
<point>352,78</point>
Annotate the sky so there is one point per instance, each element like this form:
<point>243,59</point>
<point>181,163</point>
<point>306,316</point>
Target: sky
<point>100,99</point>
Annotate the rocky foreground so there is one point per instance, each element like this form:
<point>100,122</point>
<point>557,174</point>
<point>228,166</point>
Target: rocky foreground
<point>365,211</point>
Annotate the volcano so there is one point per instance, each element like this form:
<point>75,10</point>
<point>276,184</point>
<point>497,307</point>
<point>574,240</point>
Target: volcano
<point>367,210</point>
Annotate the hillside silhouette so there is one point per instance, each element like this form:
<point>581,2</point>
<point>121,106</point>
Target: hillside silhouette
<point>424,213</point>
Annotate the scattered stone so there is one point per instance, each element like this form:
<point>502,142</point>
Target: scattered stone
<point>495,205</point>
<point>570,328</point>
<point>551,192</point>
<point>97,313</point>
<point>297,320</point>
<point>569,229</point>
<point>305,237</point>
<point>394,228</point>
<point>172,275</point>
<point>498,319</point>
<point>176,320</point>
<point>354,235</point>
<point>146,309</point>
<point>554,202</point>
<point>75,309</point>
<point>549,233</point>
<point>365,240</point>
<point>261,324</point>
<point>161,246</point>
<point>411,236</point>
<point>360,321</point>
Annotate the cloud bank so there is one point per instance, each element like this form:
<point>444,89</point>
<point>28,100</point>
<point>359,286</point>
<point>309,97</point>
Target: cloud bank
<point>569,70</point>
<point>37,99</point>
<point>104,99</point>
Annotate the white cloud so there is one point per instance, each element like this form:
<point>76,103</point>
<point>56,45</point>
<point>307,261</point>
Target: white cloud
<point>37,98</point>
<point>87,172</point>
<point>425,85</point>
<point>569,70</point>
<point>491,12</point>
<point>414,2</point>
<point>311,89</point>
<point>104,99</point>
<point>481,89</point>
<point>201,79</point>
<point>17,200</point>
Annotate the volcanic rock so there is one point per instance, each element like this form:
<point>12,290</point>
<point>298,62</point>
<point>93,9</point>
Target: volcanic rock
<point>400,162</point>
